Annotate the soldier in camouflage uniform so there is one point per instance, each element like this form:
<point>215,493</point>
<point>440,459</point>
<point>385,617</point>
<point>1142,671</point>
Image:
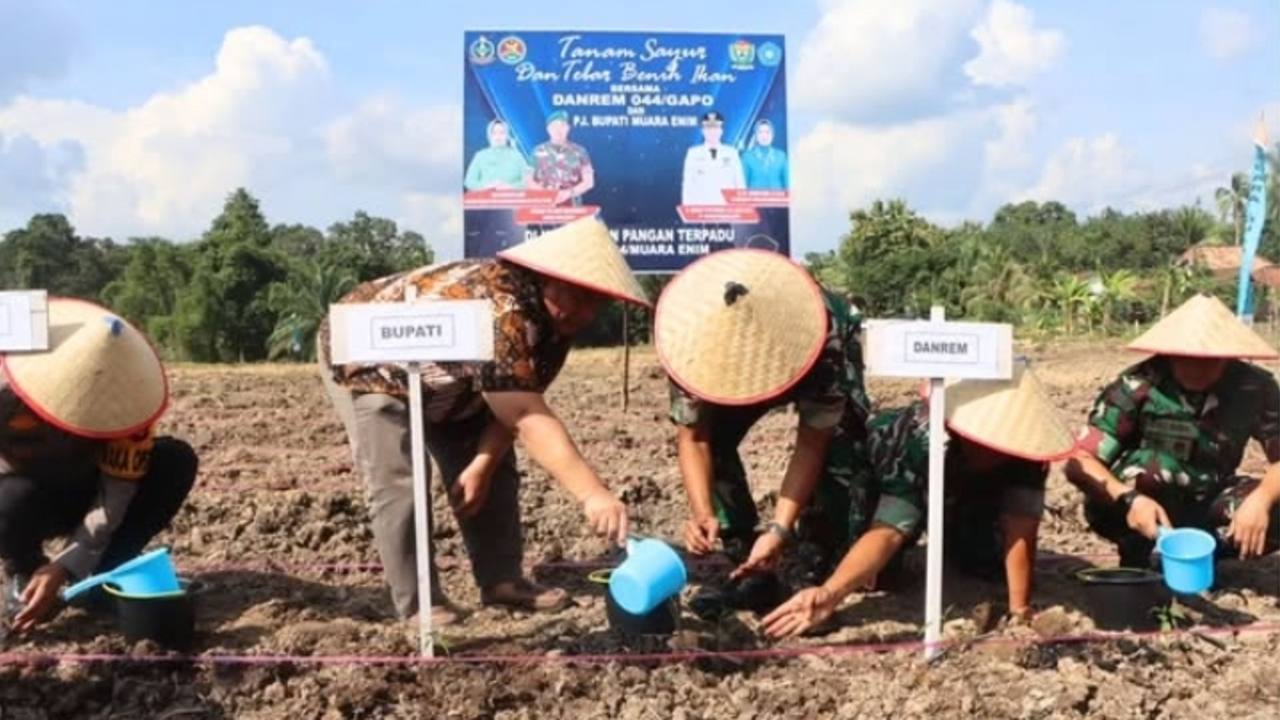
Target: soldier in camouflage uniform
<point>1164,441</point>
<point>993,503</point>
<point>821,375</point>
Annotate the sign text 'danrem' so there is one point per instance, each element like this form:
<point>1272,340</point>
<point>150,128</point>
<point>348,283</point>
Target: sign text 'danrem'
<point>943,348</point>
<point>927,349</point>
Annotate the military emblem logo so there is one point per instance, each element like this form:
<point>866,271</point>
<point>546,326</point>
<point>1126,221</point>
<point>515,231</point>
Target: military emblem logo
<point>511,50</point>
<point>481,51</point>
<point>741,54</point>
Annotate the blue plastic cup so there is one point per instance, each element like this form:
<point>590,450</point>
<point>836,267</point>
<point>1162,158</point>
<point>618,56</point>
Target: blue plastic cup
<point>651,574</point>
<point>1186,555</point>
<point>148,574</point>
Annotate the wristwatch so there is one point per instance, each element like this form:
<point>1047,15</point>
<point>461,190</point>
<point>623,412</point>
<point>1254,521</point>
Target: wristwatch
<point>777,529</point>
<point>1126,499</point>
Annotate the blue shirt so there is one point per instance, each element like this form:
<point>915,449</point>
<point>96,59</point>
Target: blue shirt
<point>765,168</point>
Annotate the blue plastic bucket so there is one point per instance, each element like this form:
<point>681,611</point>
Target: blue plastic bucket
<point>1186,556</point>
<point>651,574</point>
<point>148,574</point>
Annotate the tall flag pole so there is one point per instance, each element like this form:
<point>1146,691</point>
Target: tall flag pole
<point>1255,216</point>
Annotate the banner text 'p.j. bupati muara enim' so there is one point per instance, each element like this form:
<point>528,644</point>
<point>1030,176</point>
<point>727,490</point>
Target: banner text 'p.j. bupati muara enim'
<point>677,141</point>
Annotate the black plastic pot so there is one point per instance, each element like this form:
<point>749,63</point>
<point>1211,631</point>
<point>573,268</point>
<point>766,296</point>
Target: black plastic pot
<point>168,619</point>
<point>662,620</point>
<point>1124,598</point>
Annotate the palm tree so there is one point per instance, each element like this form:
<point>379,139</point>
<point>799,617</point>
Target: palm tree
<point>1232,200</point>
<point>1176,281</point>
<point>301,302</point>
<point>998,286</point>
<point>1071,296</point>
<point>1118,287</point>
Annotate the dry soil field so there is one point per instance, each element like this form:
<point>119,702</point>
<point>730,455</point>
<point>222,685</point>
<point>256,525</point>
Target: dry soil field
<point>277,530</point>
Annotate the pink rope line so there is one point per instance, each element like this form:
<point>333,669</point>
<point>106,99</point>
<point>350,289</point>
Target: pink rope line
<point>375,566</point>
<point>12,658</point>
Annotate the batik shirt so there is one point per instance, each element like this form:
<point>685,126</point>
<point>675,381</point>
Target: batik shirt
<point>831,396</point>
<point>33,448</point>
<point>898,446</point>
<point>559,167</point>
<point>527,352</point>
<point>1146,425</point>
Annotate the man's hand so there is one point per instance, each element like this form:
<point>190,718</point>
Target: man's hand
<point>764,553</point>
<point>1249,524</point>
<point>1146,516</point>
<point>807,608</point>
<point>701,534</point>
<point>470,492</point>
<point>40,596</point>
<point>607,515</point>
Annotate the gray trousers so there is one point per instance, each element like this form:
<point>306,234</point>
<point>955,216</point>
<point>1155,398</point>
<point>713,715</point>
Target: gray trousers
<point>378,429</point>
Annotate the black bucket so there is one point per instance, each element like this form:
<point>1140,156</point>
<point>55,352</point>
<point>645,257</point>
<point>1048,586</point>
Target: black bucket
<point>662,620</point>
<point>169,619</point>
<point>1124,598</point>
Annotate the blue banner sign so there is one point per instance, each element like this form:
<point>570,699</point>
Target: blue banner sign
<point>677,141</point>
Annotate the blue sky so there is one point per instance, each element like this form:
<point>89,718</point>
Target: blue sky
<point>137,118</point>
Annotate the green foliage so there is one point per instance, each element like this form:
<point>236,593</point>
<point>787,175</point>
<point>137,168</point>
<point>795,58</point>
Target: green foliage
<point>243,291</point>
<point>300,303</point>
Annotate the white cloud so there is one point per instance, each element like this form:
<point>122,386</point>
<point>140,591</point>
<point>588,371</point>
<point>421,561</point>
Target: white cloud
<point>1226,34</point>
<point>385,144</point>
<point>1090,174</point>
<point>1012,49</point>
<point>265,117</point>
<point>1017,122</point>
<point>438,216</point>
<point>165,166</point>
<point>877,59</point>
<point>840,167</point>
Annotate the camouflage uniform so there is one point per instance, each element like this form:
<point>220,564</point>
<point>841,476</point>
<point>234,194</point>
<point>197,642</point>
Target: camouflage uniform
<point>830,396</point>
<point>1182,448</point>
<point>898,441</point>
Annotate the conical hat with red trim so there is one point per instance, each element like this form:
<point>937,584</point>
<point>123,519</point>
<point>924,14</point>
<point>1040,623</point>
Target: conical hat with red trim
<point>739,327</point>
<point>100,377</point>
<point>1203,327</point>
<point>582,253</point>
<point>1012,416</point>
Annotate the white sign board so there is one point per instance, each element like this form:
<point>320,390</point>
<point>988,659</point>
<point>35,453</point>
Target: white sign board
<point>927,349</point>
<point>426,331</point>
<point>24,321</point>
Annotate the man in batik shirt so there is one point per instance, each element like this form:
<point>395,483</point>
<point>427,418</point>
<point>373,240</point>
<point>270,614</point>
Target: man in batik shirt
<point>1165,440</point>
<point>543,292</point>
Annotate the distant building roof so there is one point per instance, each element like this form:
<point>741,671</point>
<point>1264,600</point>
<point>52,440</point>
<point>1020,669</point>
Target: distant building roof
<point>1221,260</point>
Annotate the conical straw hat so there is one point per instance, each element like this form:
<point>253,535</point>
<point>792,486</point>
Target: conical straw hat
<point>1203,327</point>
<point>100,377</point>
<point>740,326</point>
<point>581,253</point>
<point>1012,416</point>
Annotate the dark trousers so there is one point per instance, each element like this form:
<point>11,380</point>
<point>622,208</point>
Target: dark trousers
<point>1213,515</point>
<point>378,430</point>
<point>35,510</point>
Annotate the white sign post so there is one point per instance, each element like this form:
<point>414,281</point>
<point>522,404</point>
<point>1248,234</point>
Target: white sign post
<point>938,350</point>
<point>411,334</point>
<point>24,321</point>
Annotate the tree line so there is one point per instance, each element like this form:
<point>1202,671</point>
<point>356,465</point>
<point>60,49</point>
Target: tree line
<point>247,290</point>
<point>244,291</point>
